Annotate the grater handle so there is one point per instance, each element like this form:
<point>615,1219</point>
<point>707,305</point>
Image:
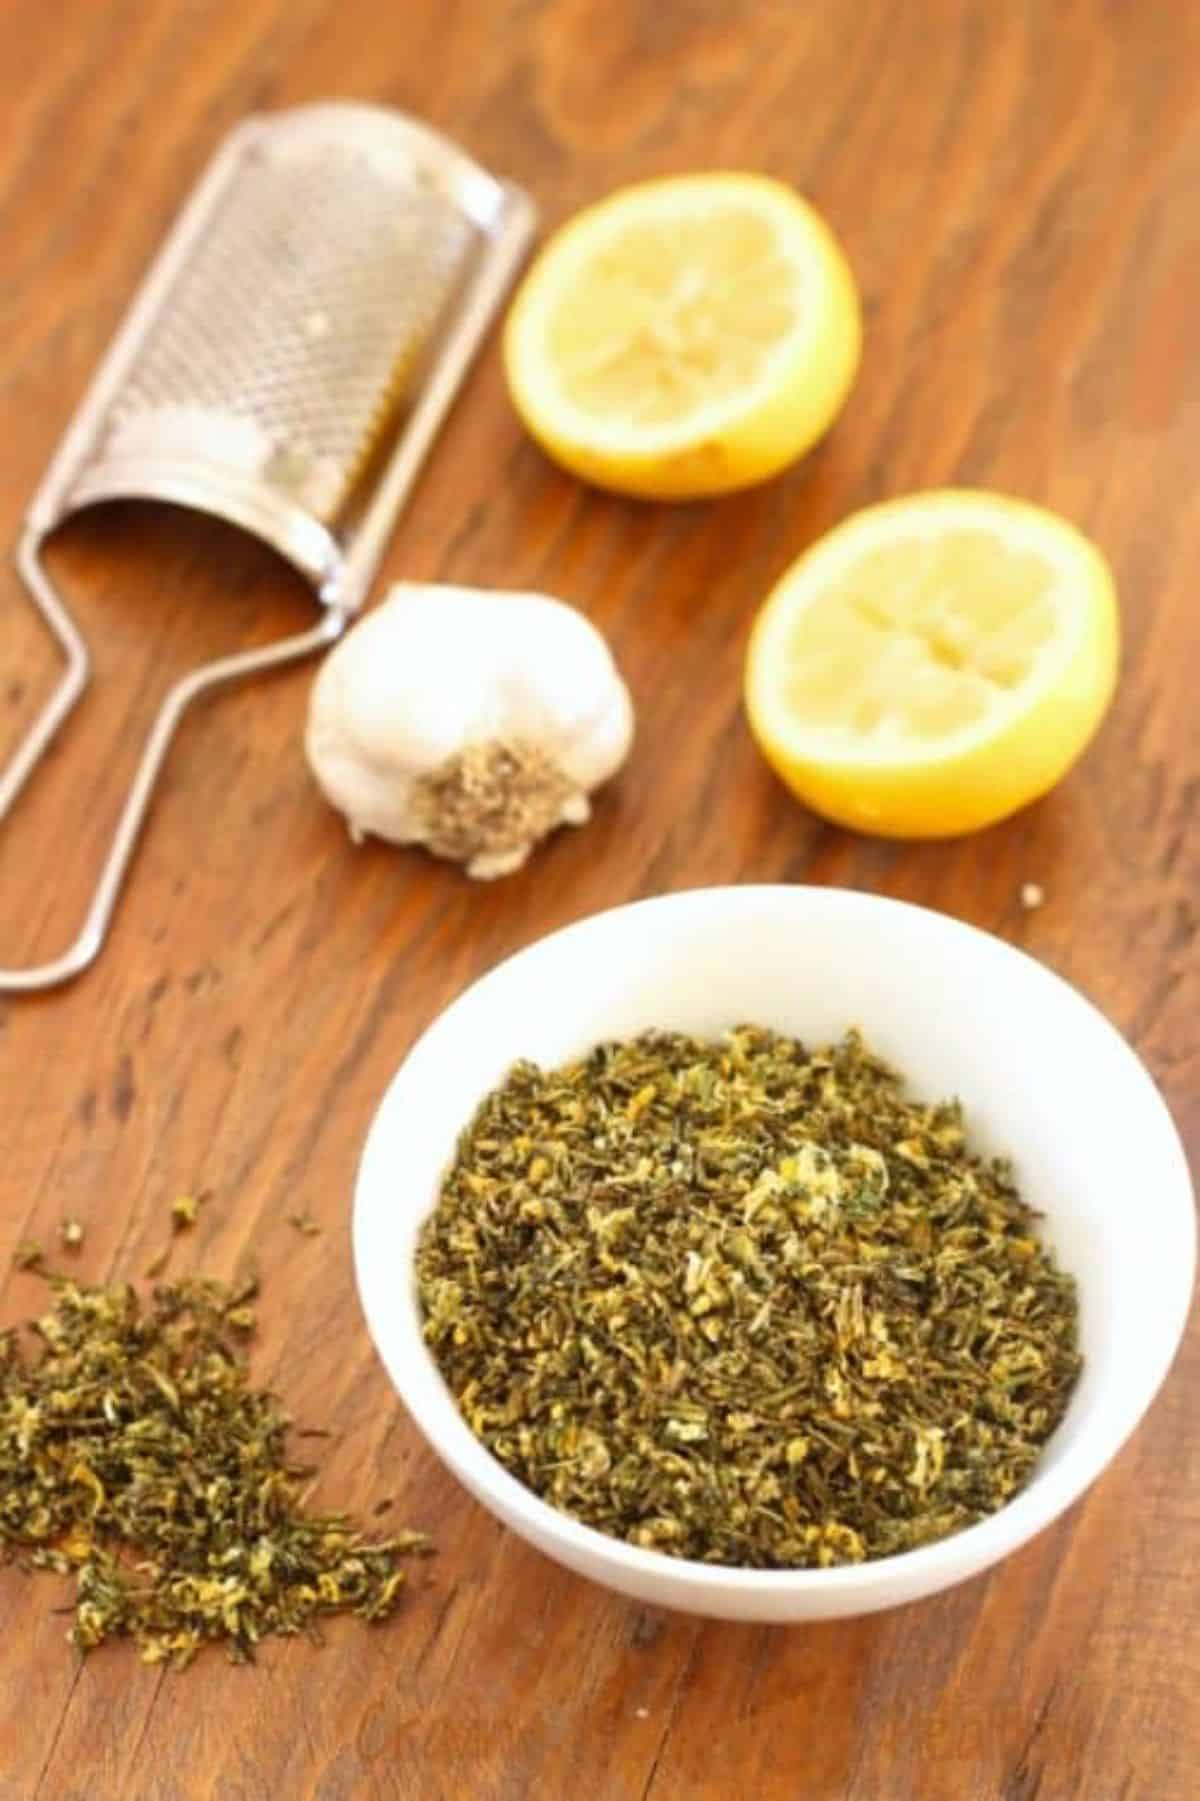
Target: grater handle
<point>133,814</point>
<point>72,683</point>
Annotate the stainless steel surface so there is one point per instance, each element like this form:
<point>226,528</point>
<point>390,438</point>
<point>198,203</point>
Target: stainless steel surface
<point>285,366</point>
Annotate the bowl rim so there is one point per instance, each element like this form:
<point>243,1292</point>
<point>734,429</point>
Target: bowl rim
<point>924,1569</point>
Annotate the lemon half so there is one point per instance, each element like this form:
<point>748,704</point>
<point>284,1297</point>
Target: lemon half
<point>934,663</point>
<point>685,336</point>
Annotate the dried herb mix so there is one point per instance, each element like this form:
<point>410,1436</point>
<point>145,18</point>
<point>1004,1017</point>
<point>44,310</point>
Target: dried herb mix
<point>135,1454</point>
<point>745,1304</point>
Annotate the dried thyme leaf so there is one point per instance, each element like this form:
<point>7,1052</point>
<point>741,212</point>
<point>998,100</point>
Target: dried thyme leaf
<point>28,1255</point>
<point>743,1303</point>
<point>158,1263</point>
<point>184,1209</point>
<point>135,1455</point>
<point>304,1222</point>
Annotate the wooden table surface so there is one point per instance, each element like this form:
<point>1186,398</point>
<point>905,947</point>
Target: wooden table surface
<point>1016,186</point>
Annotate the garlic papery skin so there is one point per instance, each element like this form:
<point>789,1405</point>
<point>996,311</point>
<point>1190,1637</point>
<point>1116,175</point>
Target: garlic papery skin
<point>471,721</point>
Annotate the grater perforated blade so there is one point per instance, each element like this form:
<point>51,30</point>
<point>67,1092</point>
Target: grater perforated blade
<point>285,367</point>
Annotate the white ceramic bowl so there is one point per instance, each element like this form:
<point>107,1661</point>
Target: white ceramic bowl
<point>1042,1074</point>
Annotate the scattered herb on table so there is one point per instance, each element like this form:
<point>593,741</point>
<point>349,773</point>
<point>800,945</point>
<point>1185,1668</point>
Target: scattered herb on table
<point>184,1209</point>
<point>745,1303</point>
<point>135,1455</point>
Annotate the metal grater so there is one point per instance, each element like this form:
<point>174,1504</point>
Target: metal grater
<point>285,366</point>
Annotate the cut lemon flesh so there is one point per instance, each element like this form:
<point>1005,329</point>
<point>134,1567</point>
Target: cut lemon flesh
<point>934,663</point>
<point>685,336</point>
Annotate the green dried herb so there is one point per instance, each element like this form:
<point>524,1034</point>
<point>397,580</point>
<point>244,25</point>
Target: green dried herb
<point>304,1222</point>
<point>135,1455</point>
<point>184,1209</point>
<point>743,1303</point>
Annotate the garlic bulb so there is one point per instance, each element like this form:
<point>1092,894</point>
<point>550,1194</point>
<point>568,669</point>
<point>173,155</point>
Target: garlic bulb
<point>471,722</point>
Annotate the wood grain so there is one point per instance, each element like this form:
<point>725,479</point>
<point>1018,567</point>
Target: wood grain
<point>1016,187</point>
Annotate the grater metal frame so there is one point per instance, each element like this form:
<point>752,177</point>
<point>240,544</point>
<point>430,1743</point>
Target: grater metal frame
<point>339,572</point>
